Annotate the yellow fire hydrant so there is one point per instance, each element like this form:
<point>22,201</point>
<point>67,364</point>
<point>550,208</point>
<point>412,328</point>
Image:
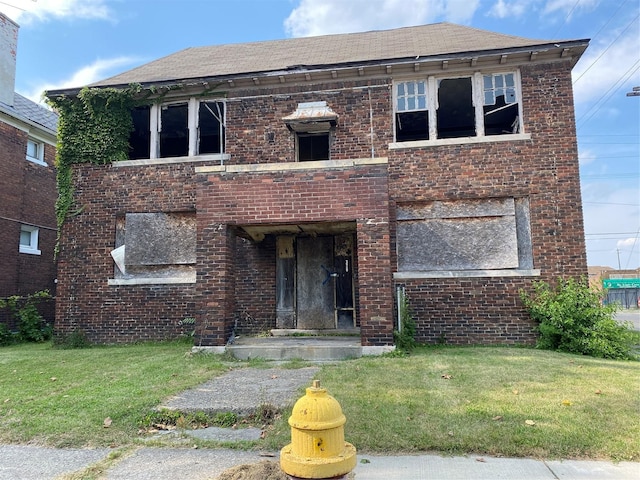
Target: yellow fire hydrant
<point>317,448</point>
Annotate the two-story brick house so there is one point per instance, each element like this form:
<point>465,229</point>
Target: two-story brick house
<point>27,182</point>
<point>298,184</point>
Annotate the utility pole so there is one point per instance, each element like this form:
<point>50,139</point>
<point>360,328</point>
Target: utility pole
<point>635,92</point>
<point>618,250</point>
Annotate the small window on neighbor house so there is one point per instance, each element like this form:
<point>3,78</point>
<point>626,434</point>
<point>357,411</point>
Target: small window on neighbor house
<point>35,151</point>
<point>29,240</point>
<point>500,104</point>
<point>210,127</point>
<point>140,138</point>
<point>313,146</point>
<point>412,114</point>
<point>174,130</point>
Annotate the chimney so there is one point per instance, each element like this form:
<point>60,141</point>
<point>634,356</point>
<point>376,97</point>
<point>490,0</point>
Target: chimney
<point>8,48</point>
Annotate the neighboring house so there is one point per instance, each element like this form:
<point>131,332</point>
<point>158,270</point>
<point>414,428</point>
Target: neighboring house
<point>27,183</point>
<point>300,184</point>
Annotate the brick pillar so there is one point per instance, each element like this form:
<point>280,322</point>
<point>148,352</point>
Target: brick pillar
<point>375,282</point>
<point>215,284</point>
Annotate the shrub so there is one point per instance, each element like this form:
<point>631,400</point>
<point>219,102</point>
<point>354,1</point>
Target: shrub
<point>572,319</point>
<point>31,325</point>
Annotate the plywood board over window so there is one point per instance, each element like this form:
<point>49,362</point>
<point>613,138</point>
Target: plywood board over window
<point>150,245</point>
<point>483,234</point>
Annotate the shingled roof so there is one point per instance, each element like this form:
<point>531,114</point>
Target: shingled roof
<point>26,110</point>
<point>329,50</point>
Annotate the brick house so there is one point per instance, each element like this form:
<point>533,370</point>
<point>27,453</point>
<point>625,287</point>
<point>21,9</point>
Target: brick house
<point>300,184</point>
<point>27,182</point>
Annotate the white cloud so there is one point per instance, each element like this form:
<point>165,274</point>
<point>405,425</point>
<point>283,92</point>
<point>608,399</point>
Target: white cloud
<point>28,11</point>
<point>321,17</point>
<point>513,9</point>
<point>98,70</point>
<point>569,7</point>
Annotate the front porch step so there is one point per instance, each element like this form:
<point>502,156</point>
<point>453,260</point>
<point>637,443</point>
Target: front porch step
<point>310,348</point>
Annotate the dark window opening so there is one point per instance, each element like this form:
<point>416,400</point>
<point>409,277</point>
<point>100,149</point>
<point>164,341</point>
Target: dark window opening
<point>174,134</point>
<point>313,147</point>
<point>211,127</point>
<point>501,118</point>
<point>140,138</point>
<point>456,113</point>
<point>412,126</point>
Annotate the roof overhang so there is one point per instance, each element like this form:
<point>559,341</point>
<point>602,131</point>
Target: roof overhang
<point>383,68</point>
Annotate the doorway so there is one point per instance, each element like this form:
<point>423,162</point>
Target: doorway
<point>314,284</point>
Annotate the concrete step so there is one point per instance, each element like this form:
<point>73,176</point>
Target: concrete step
<point>310,348</point>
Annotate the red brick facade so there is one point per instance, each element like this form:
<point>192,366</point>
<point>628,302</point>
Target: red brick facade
<point>235,287</point>
<point>27,197</point>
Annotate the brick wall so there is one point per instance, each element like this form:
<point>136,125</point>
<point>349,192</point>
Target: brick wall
<point>27,195</point>
<point>544,169</point>
<point>236,277</point>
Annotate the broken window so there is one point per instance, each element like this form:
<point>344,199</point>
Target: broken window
<point>313,146</point>
<point>470,106</point>
<point>177,130</point>
<point>455,235</point>
<point>174,130</point>
<point>455,114</point>
<point>500,104</point>
<point>140,138</point>
<point>412,115</point>
<point>210,127</point>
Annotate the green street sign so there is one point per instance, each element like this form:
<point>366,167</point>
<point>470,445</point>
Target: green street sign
<point>621,283</point>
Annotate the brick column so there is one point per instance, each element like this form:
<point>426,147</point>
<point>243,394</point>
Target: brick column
<point>215,283</point>
<point>374,282</point>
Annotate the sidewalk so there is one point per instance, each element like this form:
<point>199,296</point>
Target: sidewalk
<point>36,463</point>
<point>241,390</point>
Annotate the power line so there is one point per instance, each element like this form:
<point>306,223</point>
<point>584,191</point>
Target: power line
<point>606,49</point>
<point>606,95</point>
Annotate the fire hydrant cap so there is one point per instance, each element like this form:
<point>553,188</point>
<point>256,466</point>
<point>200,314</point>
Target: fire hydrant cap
<point>317,410</point>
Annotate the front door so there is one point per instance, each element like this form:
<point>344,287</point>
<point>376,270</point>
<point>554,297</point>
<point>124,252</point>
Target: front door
<point>323,285</point>
<point>315,285</point>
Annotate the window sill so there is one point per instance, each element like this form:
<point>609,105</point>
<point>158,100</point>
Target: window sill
<point>37,161</point>
<point>30,251</point>
<point>461,141</point>
<point>220,158</point>
<point>465,274</point>
<point>112,282</point>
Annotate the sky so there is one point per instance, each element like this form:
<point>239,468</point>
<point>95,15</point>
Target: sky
<point>71,43</point>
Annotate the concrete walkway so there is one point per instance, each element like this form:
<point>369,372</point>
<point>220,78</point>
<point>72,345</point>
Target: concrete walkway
<point>35,463</point>
<point>244,389</point>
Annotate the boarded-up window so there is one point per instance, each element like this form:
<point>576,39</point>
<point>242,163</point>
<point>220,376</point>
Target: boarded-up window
<point>485,234</point>
<point>155,245</point>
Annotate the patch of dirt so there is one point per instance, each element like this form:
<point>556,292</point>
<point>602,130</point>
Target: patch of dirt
<point>257,471</point>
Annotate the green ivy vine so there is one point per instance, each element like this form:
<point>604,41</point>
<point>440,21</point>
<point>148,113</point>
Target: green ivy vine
<point>93,127</point>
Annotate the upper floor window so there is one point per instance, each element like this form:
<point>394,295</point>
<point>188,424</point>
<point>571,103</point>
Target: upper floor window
<point>35,151</point>
<point>29,240</point>
<point>177,129</point>
<point>465,106</point>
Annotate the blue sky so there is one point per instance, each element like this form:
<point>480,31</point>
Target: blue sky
<point>70,43</point>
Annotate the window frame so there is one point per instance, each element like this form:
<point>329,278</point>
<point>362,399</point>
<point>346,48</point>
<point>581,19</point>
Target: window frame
<point>32,248</point>
<point>432,83</point>
<point>193,130</point>
<point>39,145</point>
<point>300,135</point>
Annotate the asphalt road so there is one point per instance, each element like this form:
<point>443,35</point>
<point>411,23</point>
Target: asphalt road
<point>630,315</point>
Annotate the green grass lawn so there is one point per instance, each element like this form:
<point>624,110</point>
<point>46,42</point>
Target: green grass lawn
<point>494,401</point>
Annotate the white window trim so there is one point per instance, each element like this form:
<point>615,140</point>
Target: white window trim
<point>478,102</point>
<point>32,248</point>
<point>193,106</point>
<point>40,146</point>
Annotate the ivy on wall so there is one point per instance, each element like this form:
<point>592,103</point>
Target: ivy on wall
<point>93,127</point>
